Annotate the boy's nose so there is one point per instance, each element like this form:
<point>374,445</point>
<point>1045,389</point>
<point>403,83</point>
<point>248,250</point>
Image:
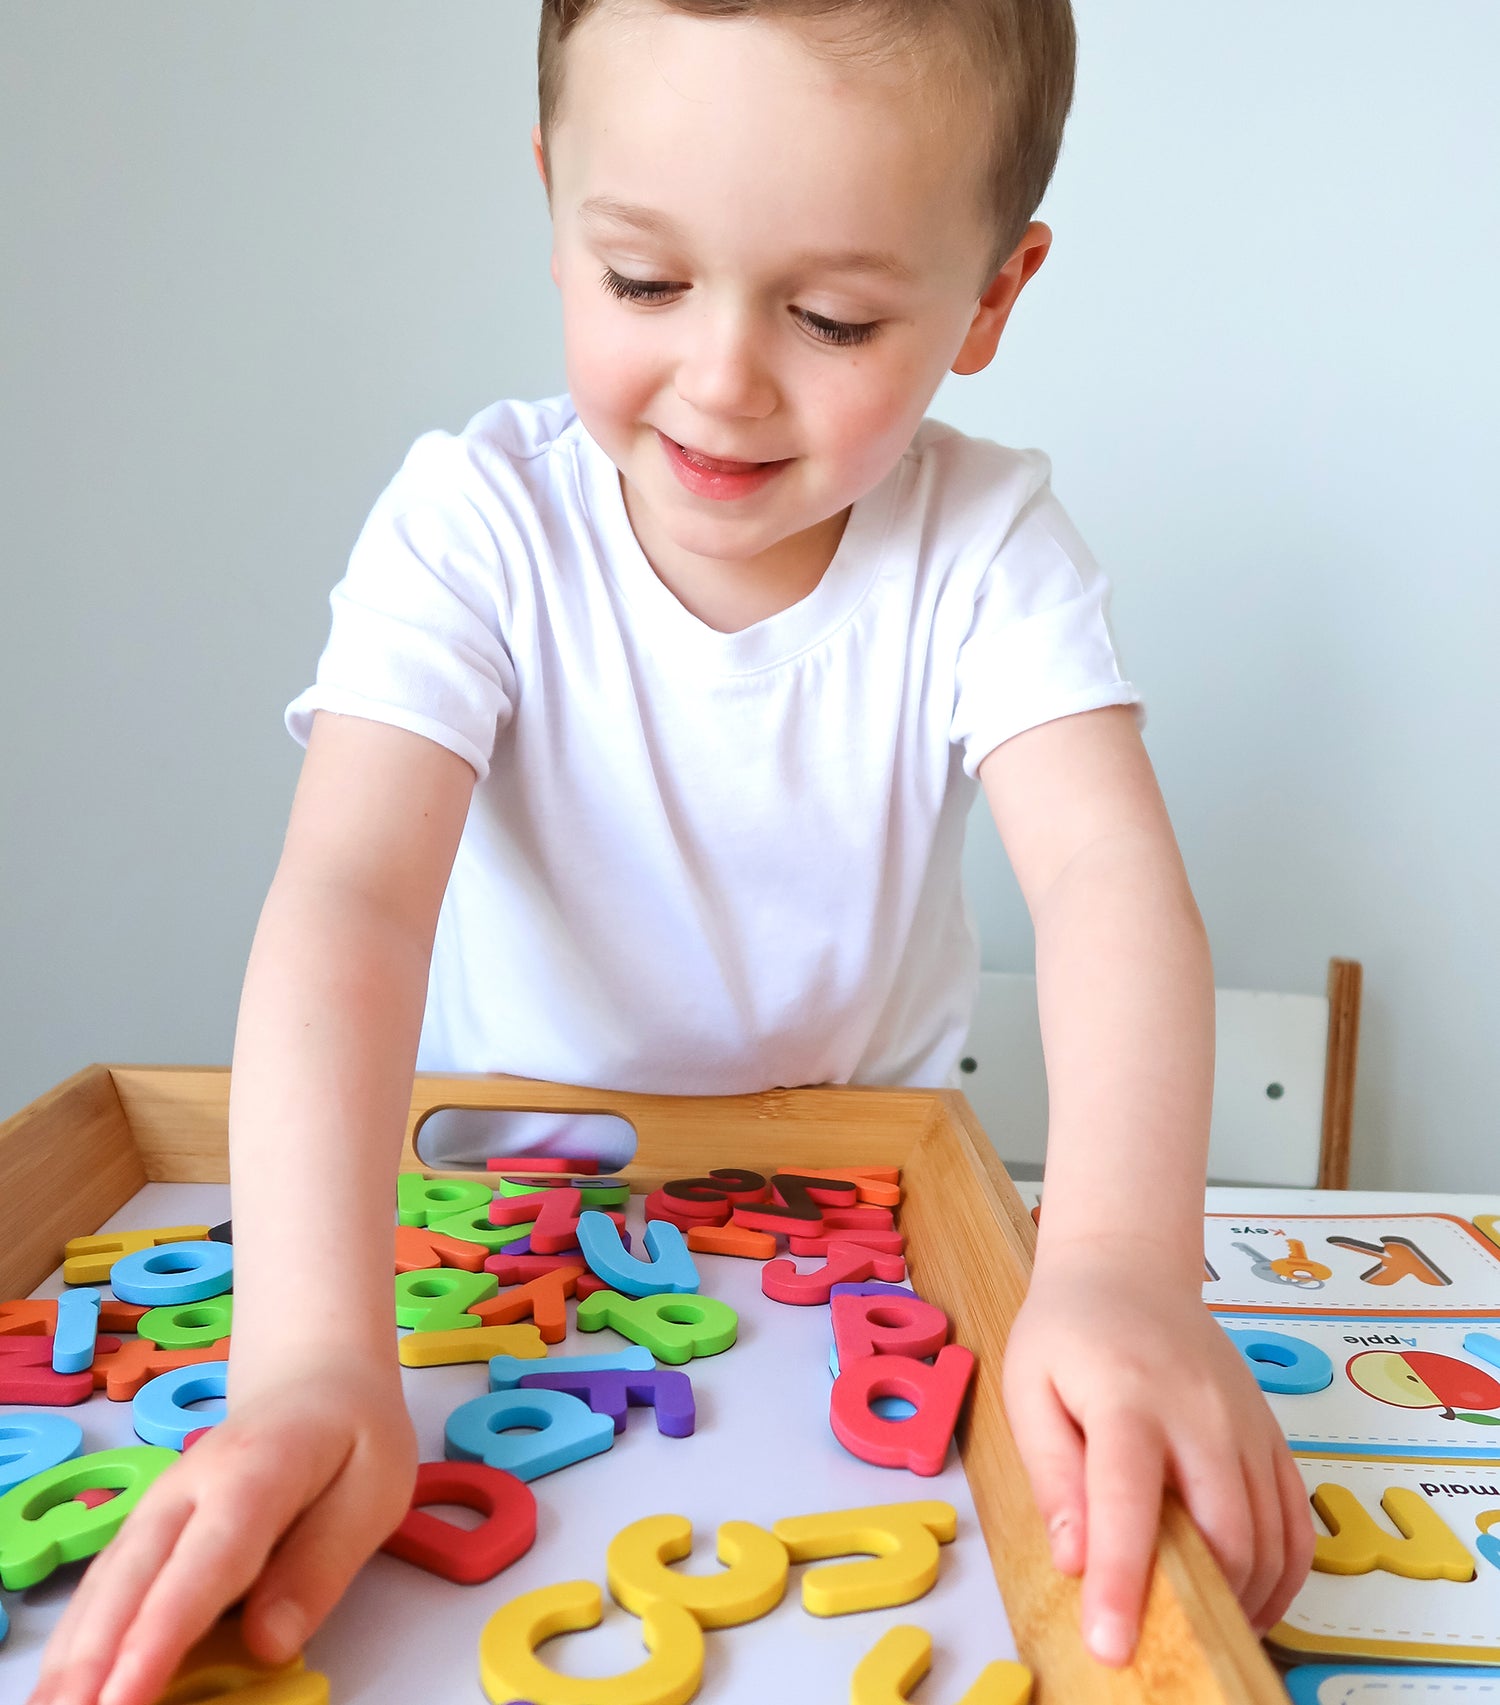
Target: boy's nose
<point>722,370</point>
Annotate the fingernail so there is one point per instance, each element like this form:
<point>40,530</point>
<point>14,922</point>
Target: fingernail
<point>1109,1639</point>
<point>287,1627</point>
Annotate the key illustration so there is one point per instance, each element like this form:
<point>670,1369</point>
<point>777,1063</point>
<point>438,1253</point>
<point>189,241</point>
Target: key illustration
<point>1285,1270</point>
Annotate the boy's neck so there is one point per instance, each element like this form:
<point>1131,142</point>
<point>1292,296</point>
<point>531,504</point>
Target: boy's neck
<point>730,596</point>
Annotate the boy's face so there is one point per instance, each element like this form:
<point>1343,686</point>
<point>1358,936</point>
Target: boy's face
<point>752,165</point>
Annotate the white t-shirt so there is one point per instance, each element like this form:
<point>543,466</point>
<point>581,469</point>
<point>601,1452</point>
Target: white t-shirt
<point>700,862</point>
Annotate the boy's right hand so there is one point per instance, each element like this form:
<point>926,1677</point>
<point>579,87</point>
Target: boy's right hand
<point>284,1500</point>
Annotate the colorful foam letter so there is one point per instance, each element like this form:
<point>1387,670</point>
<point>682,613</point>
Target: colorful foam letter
<point>444,1349</point>
<point>611,1391</point>
<point>419,1247</point>
<point>797,1204</point>
<point>1428,1550</point>
<point>886,1325</point>
<point>222,1670</point>
<point>902,1656</point>
<point>510,1671</point>
<point>423,1201</point>
<point>466,1555</point>
<point>560,1430</point>
<point>30,1444</point>
<point>727,1239</point>
<point>544,1298</point>
<point>43,1526</point>
<point>159,1411</point>
<point>188,1325</point>
<point>91,1260</point>
<point>506,1372</point>
<point>173,1273</point>
<point>670,1267</point>
<point>753,1582</point>
<point>781,1281</point>
<point>593,1192</point>
<point>918,1441</point>
<point>1397,1258</point>
<point>27,1376</point>
<point>1282,1363</point>
<point>438,1300</point>
<point>673,1328</point>
<point>77,1328</point>
<point>902,1540</point>
<point>123,1370</point>
<point>473,1225</point>
<point>1483,1346</point>
<point>857,1237</point>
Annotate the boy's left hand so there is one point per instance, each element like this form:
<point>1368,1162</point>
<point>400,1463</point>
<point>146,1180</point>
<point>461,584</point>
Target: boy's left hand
<point>1117,1380</point>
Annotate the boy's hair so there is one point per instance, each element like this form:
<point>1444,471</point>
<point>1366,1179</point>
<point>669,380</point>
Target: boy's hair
<point>1019,53</point>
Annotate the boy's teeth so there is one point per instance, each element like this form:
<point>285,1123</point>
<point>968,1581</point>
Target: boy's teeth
<point>716,464</point>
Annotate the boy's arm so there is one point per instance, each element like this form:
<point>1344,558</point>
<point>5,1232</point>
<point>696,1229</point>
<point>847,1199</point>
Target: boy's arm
<point>1117,1379</point>
<point>313,1465</point>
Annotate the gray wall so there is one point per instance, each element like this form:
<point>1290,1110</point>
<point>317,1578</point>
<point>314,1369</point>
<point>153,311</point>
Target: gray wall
<point>250,252</point>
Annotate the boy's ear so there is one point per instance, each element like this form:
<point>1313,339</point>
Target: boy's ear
<point>541,169</point>
<point>978,348</point>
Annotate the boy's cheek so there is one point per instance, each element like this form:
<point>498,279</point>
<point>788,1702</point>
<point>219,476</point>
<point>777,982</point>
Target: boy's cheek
<point>609,373</point>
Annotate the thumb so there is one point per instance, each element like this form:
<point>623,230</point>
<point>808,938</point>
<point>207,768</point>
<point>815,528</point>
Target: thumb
<point>1051,1448</point>
<point>316,1560</point>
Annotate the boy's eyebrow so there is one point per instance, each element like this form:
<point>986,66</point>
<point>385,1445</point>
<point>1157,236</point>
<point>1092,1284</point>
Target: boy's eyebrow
<point>657,224</point>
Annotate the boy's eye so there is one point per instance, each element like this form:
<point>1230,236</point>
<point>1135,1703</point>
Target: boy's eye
<point>838,331</point>
<point>636,289</point>
<point>656,290</point>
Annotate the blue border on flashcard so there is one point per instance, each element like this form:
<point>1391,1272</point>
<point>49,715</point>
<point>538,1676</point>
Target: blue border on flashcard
<point>1305,1682</point>
<point>1436,1454</point>
<point>1489,1316</point>
<point>1485,1453</point>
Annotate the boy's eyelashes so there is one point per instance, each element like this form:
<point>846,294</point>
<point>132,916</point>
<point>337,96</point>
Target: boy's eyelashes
<point>654,290</point>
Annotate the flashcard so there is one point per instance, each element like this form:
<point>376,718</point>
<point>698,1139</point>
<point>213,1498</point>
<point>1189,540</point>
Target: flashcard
<point>1361,1264</point>
<point>1380,1684</point>
<point>1359,1387</point>
<point>1407,1563</point>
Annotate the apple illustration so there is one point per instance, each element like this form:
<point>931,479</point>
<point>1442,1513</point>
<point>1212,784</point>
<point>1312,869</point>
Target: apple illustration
<point>1422,1379</point>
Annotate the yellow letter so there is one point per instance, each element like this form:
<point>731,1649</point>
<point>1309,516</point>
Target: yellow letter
<point>898,1661</point>
<point>755,1581</point>
<point>902,1538</point>
<point>1429,1550</point>
<point>509,1668</point>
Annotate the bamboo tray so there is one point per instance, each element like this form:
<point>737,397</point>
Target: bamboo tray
<point>81,1151</point>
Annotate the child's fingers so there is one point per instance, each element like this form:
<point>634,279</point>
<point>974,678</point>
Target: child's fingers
<point>1211,1480</point>
<point>1052,1453</point>
<point>1299,1539</point>
<point>243,1498</point>
<point>1268,1561</point>
<point>321,1553</point>
<point>1123,1468</point>
<point>216,1557</point>
<point>82,1649</point>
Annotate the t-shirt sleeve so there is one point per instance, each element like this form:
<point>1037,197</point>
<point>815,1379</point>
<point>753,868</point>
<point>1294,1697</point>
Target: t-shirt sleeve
<point>419,617</point>
<point>1038,646</point>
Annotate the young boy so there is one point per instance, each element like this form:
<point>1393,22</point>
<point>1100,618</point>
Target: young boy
<point>680,686</point>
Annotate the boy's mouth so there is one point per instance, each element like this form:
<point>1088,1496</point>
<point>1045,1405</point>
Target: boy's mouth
<point>716,464</point>
<point>719,479</point>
